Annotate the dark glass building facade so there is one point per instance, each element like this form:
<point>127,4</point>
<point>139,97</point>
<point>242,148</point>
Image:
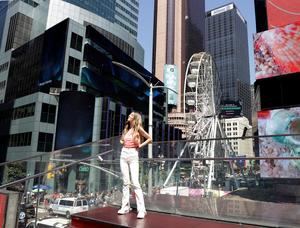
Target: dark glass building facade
<point>124,13</point>
<point>105,9</point>
<point>38,64</point>
<point>114,81</point>
<point>3,10</point>
<point>43,67</point>
<point>226,40</point>
<point>66,89</point>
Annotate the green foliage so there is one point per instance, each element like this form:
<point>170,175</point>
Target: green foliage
<point>16,171</point>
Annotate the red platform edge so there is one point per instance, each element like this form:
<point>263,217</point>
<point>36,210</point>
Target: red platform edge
<point>107,217</point>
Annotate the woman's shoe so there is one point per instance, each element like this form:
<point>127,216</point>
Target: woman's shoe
<point>124,210</point>
<point>141,214</point>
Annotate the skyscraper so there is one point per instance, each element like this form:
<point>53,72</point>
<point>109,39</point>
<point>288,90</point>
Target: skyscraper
<point>23,20</point>
<point>226,40</point>
<point>116,19</point>
<point>178,33</point>
<point>121,12</point>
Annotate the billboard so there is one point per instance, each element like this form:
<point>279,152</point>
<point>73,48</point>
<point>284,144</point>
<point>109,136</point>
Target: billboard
<point>282,12</point>
<point>74,123</point>
<point>279,122</point>
<point>222,9</point>
<point>230,109</point>
<point>3,207</point>
<point>171,81</point>
<point>277,51</point>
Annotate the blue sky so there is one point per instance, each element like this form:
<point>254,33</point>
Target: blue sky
<point>145,26</point>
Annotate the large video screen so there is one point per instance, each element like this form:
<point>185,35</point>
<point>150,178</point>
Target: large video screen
<point>74,123</point>
<point>279,122</point>
<point>277,51</point>
<point>54,48</point>
<point>282,12</point>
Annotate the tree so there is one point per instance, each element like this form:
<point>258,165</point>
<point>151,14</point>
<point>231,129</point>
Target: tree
<point>16,171</point>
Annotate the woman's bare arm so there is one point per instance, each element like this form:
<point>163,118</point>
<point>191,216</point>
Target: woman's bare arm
<point>146,136</point>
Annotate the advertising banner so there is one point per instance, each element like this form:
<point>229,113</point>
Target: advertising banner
<point>279,122</point>
<point>282,12</point>
<point>230,109</point>
<point>171,81</point>
<point>277,51</point>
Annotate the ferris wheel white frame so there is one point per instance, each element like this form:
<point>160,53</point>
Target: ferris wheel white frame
<point>202,95</point>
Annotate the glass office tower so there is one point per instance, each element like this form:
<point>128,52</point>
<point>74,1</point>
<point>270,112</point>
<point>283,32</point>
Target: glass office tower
<point>226,40</point>
<point>124,13</point>
<point>116,19</point>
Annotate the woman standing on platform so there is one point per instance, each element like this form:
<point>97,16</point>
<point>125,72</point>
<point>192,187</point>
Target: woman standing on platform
<point>129,162</point>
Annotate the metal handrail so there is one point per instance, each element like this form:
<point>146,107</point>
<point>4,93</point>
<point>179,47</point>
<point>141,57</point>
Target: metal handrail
<point>55,152</point>
<point>156,142</point>
<point>53,170</point>
<point>143,159</point>
<point>82,161</point>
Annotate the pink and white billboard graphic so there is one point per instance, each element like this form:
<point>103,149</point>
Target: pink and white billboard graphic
<point>277,51</point>
<point>279,122</point>
<point>282,12</point>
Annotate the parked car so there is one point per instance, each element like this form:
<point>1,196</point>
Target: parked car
<point>49,222</point>
<point>68,206</point>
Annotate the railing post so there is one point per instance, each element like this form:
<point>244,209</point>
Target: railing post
<point>150,130</point>
<point>38,194</point>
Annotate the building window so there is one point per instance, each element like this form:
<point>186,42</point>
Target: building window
<point>2,85</point>
<point>21,139</point>
<point>74,65</point>
<point>48,113</point>
<point>76,42</point>
<point>31,3</point>
<point>19,31</point>
<point>23,111</point>
<point>4,67</point>
<point>45,142</point>
<point>71,86</point>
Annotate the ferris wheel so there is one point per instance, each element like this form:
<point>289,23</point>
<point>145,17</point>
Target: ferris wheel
<point>202,95</point>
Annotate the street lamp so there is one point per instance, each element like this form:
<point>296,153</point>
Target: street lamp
<point>150,114</point>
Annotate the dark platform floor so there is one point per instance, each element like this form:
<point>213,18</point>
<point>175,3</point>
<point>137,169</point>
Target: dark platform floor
<point>108,217</point>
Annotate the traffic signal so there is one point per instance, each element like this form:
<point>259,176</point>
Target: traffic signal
<point>50,175</point>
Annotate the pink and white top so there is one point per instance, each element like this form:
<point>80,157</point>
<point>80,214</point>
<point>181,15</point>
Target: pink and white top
<point>129,141</point>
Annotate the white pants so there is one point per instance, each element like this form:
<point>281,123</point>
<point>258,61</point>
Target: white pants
<point>129,161</point>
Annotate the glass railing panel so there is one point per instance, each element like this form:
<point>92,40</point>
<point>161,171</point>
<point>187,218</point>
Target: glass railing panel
<point>13,172</point>
<point>45,162</point>
<point>160,185</point>
<point>246,189</point>
<point>178,179</point>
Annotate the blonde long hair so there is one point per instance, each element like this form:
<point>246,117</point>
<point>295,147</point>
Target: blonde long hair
<point>137,120</point>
